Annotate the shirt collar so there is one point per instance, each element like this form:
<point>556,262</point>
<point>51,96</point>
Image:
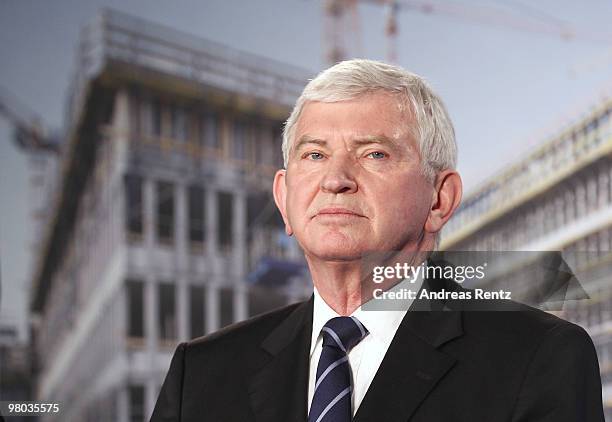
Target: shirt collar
<point>381,324</point>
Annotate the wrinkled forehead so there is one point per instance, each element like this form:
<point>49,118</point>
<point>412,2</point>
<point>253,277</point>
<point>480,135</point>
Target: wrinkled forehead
<point>376,114</point>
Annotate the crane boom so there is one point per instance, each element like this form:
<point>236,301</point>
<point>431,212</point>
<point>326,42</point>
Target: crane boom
<point>522,18</point>
<point>29,134</point>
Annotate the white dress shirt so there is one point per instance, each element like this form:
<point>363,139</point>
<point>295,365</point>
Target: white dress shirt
<point>365,358</point>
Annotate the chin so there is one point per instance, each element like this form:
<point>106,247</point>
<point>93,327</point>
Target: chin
<point>333,245</point>
<point>337,251</point>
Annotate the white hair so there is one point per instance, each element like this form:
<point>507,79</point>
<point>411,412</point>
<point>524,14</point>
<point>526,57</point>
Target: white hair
<point>350,79</point>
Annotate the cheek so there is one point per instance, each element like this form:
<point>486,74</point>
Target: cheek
<point>299,198</point>
<point>404,204</point>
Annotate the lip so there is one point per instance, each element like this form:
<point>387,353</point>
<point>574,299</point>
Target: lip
<point>338,211</point>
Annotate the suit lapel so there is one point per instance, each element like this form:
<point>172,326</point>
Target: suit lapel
<point>413,365</point>
<point>278,386</point>
<point>411,368</point>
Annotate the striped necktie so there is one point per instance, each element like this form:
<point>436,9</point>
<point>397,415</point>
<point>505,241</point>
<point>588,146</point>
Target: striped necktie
<point>332,393</point>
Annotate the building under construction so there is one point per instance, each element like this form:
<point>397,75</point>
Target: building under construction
<point>557,198</point>
<point>162,227</point>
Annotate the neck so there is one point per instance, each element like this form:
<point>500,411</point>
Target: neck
<point>338,283</point>
<point>344,285</point>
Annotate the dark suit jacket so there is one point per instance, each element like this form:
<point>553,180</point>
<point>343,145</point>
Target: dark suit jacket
<point>454,365</point>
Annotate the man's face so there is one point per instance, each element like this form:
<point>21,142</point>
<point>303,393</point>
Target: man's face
<point>353,182</point>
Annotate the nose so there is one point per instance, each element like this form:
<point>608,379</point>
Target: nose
<point>339,177</point>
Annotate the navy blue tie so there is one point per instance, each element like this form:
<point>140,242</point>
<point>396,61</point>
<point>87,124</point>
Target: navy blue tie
<point>332,393</point>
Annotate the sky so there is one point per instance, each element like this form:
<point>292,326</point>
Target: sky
<point>507,90</point>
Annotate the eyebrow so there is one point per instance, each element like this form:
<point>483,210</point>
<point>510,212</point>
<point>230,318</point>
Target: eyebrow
<point>307,139</point>
<point>360,141</point>
<point>375,139</point>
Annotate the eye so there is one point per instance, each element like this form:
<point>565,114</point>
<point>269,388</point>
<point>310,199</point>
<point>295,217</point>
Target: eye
<point>378,155</point>
<point>314,155</point>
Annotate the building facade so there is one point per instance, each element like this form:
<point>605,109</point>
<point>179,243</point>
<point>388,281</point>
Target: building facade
<point>162,227</point>
<point>556,198</point>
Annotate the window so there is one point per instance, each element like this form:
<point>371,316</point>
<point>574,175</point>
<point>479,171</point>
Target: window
<point>135,309</point>
<point>167,311</point>
<point>559,210</point>
<point>196,311</point>
<point>137,404</point>
<point>226,307</point>
<point>156,118</point>
<point>592,192</point>
<point>209,136</point>
<point>165,212</point>
<point>592,244</point>
<point>145,118</point>
<point>604,242</point>
<point>133,204</point>
<point>548,215</point>
<point>570,204</point>
<point>580,199</point>
<point>197,219</point>
<point>539,220</point>
<point>592,132</point>
<point>609,169</point>
<point>602,185</point>
<point>606,316</point>
<point>253,144</point>
<point>179,123</point>
<point>239,140</point>
<point>263,147</point>
<point>225,218</point>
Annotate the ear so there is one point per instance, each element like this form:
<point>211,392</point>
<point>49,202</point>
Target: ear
<point>279,190</point>
<point>446,197</point>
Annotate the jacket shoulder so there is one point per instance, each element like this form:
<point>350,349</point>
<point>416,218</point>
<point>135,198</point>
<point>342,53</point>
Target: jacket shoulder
<point>524,327</point>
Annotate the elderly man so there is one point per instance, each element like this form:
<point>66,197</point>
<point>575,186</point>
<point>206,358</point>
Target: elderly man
<point>370,168</point>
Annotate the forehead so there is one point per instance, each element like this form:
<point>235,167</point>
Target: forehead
<point>369,114</point>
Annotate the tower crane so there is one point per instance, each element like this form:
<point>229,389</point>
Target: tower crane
<point>29,133</point>
<point>42,151</point>
<point>342,21</point>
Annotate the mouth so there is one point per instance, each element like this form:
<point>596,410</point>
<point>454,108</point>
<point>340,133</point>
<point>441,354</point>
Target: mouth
<point>337,212</point>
